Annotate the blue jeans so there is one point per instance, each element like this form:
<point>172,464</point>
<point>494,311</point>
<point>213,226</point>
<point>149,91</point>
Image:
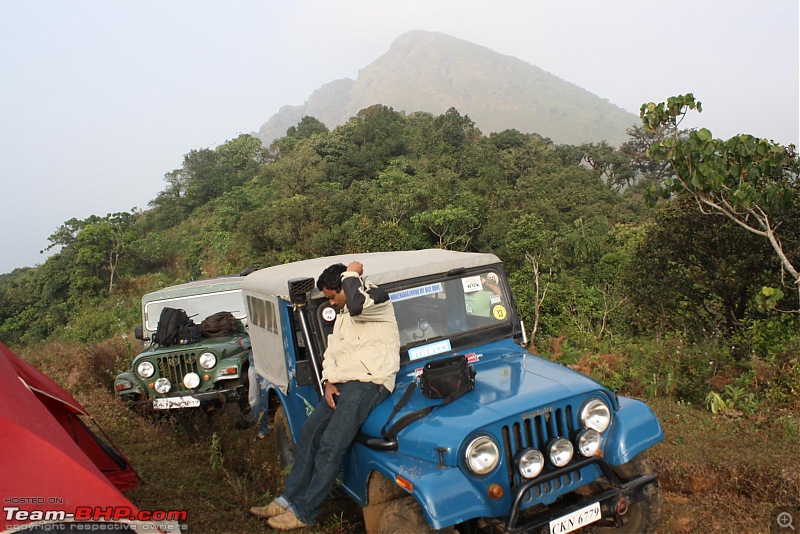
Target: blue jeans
<point>324,440</point>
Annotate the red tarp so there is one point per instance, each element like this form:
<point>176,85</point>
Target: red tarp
<point>49,458</point>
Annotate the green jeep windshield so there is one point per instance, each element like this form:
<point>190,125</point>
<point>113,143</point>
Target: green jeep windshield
<point>429,314</point>
<point>197,307</point>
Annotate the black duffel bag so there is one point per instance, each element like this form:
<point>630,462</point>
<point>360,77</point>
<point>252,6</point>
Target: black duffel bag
<point>446,379</point>
<point>450,376</point>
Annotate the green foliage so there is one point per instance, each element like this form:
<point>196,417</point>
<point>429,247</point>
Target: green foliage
<point>768,298</point>
<point>748,180</point>
<point>695,273</point>
<point>771,338</point>
<point>715,403</point>
<point>307,127</point>
<point>216,458</point>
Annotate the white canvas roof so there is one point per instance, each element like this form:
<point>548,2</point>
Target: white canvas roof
<point>196,287</point>
<point>379,267</point>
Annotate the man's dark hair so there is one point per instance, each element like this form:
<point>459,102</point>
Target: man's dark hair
<point>331,278</point>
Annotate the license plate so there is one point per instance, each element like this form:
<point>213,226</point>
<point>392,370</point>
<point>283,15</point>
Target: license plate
<point>175,402</point>
<point>577,519</point>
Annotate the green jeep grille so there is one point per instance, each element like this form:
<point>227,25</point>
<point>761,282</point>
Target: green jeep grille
<point>175,366</point>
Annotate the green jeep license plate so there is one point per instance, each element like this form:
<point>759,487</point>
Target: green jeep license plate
<point>175,402</point>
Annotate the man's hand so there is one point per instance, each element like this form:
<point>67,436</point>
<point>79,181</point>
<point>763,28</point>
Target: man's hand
<point>330,391</point>
<point>357,267</point>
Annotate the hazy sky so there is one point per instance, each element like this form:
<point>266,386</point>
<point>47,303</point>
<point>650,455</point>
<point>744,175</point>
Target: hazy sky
<point>100,99</point>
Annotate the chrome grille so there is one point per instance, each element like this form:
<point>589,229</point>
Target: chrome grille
<point>175,367</point>
<point>536,432</point>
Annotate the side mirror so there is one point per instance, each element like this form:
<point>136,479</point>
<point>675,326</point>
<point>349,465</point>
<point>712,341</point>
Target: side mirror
<point>138,333</point>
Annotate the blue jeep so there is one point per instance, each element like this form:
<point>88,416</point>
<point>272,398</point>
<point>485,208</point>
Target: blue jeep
<point>534,447</point>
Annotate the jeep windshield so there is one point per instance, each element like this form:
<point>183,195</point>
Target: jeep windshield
<point>197,307</point>
<point>438,316</point>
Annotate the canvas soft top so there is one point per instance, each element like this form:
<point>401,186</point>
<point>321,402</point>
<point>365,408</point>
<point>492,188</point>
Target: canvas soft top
<point>379,267</point>
<point>197,287</point>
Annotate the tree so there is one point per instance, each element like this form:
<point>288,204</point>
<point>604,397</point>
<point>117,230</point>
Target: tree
<point>614,167</point>
<point>450,226</point>
<point>97,242</point>
<point>751,181</point>
<point>307,127</point>
<point>637,148</point>
<point>360,148</point>
<point>693,274</point>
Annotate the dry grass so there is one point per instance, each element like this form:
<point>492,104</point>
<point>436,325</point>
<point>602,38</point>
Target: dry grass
<point>718,473</point>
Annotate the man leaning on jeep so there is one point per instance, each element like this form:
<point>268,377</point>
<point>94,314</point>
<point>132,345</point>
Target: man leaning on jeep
<point>358,373</point>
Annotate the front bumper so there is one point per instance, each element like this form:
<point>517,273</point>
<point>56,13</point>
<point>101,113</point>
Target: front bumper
<point>614,501</point>
<point>215,397</point>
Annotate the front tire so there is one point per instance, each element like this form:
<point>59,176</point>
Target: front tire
<point>284,443</point>
<point>642,517</point>
<point>404,516</point>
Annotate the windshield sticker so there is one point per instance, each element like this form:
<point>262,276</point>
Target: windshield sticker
<point>499,312</point>
<point>472,357</point>
<point>472,284</point>
<point>415,292</point>
<point>329,314</point>
<point>429,350</point>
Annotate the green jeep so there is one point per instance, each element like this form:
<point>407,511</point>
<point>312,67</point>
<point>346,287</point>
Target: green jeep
<point>208,372</point>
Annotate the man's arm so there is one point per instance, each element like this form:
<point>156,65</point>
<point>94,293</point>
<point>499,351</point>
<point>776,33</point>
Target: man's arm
<point>358,297</point>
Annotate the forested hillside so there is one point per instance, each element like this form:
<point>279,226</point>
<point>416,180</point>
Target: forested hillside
<point>690,303</point>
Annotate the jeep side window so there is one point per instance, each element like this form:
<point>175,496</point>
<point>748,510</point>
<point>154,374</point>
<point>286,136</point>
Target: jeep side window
<point>301,350</point>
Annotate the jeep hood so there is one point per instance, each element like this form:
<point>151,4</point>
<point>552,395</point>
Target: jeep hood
<point>509,382</point>
<point>225,345</point>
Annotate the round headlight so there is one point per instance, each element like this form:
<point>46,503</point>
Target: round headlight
<point>482,455</point>
<point>588,442</point>
<point>530,463</point>
<point>145,369</point>
<point>560,452</point>
<point>208,360</point>
<point>163,385</point>
<point>596,415</point>
<point>191,380</point>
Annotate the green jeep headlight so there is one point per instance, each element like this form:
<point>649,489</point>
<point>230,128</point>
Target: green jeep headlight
<point>163,385</point>
<point>191,380</point>
<point>208,360</point>
<point>145,369</point>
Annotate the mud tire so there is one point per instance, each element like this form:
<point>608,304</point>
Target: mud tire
<point>284,444</point>
<point>404,516</point>
<point>644,516</point>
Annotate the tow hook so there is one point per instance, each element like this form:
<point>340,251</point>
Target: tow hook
<point>622,505</point>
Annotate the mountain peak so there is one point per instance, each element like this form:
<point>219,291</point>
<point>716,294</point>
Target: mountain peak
<point>432,71</point>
